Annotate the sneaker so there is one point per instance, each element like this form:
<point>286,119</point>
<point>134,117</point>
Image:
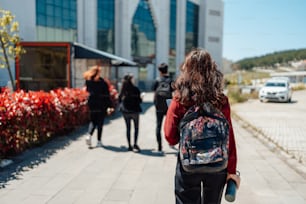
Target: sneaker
<point>99,144</point>
<point>88,140</point>
<point>136,147</point>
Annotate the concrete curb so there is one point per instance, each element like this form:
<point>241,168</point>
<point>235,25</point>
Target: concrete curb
<point>289,159</point>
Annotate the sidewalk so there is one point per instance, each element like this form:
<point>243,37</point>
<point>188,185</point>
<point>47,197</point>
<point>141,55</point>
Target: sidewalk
<point>66,171</point>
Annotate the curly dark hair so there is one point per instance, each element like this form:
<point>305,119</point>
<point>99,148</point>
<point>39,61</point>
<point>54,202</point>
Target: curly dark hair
<point>199,81</point>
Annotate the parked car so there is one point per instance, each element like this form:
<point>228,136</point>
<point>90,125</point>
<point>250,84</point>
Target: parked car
<point>276,89</point>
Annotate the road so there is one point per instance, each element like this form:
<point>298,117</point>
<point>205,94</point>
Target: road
<point>281,123</point>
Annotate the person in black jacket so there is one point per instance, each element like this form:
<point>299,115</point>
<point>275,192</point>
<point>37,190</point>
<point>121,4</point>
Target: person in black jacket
<point>162,88</point>
<point>99,102</point>
<point>130,100</point>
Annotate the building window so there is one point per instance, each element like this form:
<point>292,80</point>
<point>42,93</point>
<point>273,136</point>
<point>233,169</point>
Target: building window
<point>214,13</point>
<point>106,28</point>
<point>56,13</point>
<point>192,16</point>
<point>172,37</point>
<point>173,24</point>
<point>213,39</point>
<point>143,34</point>
<point>44,68</point>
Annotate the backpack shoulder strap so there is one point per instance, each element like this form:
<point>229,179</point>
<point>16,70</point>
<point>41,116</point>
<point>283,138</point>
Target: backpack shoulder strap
<point>209,110</point>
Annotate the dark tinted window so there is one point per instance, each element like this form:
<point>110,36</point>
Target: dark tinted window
<point>43,68</point>
<point>143,34</point>
<point>192,15</point>
<point>56,13</point>
<point>106,29</point>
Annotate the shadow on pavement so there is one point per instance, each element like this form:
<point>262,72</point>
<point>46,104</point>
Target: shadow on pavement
<point>33,157</point>
<point>281,102</point>
<point>145,106</point>
<point>152,153</point>
<point>38,155</point>
<point>115,149</point>
<point>146,152</point>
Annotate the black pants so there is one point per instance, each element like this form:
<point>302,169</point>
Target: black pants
<point>188,187</point>
<point>96,121</point>
<point>128,117</point>
<point>159,122</point>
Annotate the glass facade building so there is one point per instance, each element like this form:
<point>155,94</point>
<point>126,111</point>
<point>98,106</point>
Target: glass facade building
<point>145,31</point>
<point>106,25</point>
<point>56,20</point>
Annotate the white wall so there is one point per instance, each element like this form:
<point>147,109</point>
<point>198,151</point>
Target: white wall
<point>87,22</point>
<point>211,28</point>
<point>124,11</point>
<point>161,15</point>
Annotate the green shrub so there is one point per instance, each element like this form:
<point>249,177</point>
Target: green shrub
<point>235,96</point>
<point>299,87</point>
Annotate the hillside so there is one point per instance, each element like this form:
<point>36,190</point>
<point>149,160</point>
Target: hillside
<point>271,60</point>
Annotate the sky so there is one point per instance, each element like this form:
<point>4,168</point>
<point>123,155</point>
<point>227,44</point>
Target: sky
<point>254,28</point>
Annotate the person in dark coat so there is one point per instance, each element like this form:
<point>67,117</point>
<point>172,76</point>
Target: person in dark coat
<point>99,102</point>
<point>160,101</point>
<point>130,100</point>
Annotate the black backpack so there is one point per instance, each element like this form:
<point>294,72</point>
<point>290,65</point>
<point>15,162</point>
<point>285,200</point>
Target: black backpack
<point>204,136</point>
<point>162,93</point>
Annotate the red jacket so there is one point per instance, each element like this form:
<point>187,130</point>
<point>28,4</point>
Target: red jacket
<point>175,113</point>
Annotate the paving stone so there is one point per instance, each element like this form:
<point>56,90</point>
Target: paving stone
<point>67,171</point>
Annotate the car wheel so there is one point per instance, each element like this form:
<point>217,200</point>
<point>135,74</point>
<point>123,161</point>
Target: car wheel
<point>289,100</point>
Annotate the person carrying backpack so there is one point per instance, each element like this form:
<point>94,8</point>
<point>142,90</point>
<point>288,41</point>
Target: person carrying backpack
<point>162,88</point>
<point>199,120</point>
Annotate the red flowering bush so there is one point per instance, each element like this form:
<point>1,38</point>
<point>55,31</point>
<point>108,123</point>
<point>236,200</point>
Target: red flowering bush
<point>30,118</point>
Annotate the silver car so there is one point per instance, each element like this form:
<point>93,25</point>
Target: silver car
<point>276,90</point>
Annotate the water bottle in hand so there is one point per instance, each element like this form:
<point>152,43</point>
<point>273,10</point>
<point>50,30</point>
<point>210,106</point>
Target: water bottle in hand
<point>230,192</point>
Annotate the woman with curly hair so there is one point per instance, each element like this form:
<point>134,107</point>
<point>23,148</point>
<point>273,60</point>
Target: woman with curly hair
<point>199,82</point>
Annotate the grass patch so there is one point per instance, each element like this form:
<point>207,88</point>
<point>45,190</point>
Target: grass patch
<point>299,87</point>
<point>245,77</point>
<point>235,96</point>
